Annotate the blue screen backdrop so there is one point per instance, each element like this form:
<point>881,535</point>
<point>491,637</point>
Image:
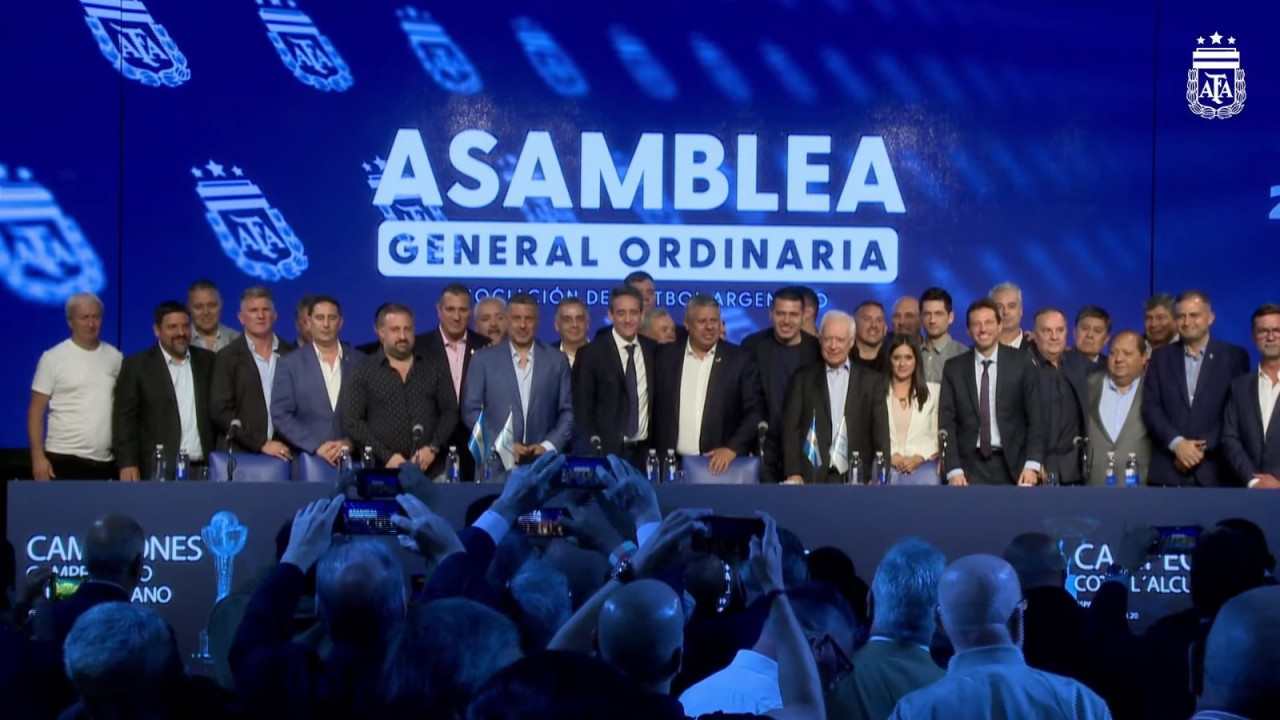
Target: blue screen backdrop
<point>871,148</point>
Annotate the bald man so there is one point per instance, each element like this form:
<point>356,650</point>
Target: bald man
<point>641,634</point>
<point>113,556</point>
<point>906,316</point>
<point>980,603</point>
<point>1240,659</point>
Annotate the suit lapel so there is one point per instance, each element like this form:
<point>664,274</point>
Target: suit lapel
<point>714,381</point>
<point>971,380</point>
<point>1134,416</point>
<point>162,373</point>
<point>1180,372</point>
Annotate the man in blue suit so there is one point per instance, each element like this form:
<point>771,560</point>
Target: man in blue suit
<point>1250,433</point>
<point>305,392</point>
<point>527,379</point>
<point>1188,382</point>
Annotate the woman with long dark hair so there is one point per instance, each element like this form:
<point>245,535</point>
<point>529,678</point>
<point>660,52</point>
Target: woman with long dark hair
<point>913,415</point>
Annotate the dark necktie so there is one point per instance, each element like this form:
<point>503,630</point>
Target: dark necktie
<point>984,411</point>
<point>633,393</point>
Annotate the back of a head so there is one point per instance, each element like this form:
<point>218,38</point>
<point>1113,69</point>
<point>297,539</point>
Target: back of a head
<point>1241,656</point>
<point>1224,564</point>
<point>542,602</point>
<point>112,548</point>
<point>447,651</point>
<point>821,609</point>
<point>977,595</point>
<point>795,562</point>
<point>558,685</point>
<point>1251,530</point>
<point>834,567</point>
<point>1037,560</point>
<point>641,631</point>
<point>122,660</point>
<point>905,592</point>
<point>585,569</point>
<point>360,594</point>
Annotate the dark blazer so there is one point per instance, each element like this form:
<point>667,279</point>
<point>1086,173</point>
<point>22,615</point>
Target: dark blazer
<point>1248,450</point>
<point>600,402</point>
<point>1075,370</point>
<point>1017,410</point>
<point>237,394</point>
<point>431,345</point>
<point>144,412</point>
<point>300,407</point>
<point>1133,436</point>
<point>733,407</point>
<point>1168,412</point>
<point>90,594</point>
<point>491,387</point>
<point>761,344</point>
<point>866,420</point>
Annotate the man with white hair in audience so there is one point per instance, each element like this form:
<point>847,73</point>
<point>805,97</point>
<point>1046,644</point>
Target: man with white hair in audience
<point>980,603</point>
<point>896,661</point>
<point>74,382</point>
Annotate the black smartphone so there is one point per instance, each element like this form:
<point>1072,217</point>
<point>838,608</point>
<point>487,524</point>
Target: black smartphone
<point>728,536</point>
<point>579,472</point>
<point>367,517</point>
<point>1176,539</point>
<point>61,588</point>
<point>374,483</point>
<point>541,523</point>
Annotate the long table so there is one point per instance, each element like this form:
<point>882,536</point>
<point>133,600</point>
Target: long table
<point>189,523</point>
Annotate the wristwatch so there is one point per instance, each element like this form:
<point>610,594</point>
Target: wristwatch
<point>623,572</point>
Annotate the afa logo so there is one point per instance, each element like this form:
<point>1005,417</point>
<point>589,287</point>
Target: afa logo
<point>551,62</point>
<point>302,48</point>
<point>133,42</point>
<point>252,233</point>
<point>404,248</point>
<point>643,66</point>
<point>723,72</point>
<point>1212,91</point>
<point>44,257</point>
<point>440,56</point>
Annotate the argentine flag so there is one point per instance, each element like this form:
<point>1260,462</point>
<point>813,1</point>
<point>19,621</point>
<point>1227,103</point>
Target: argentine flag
<point>505,445</point>
<point>840,449</point>
<point>478,444</point>
<point>811,444</point>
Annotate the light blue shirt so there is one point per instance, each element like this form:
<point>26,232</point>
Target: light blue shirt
<point>1191,364</point>
<point>837,391</point>
<point>1114,405</point>
<point>267,373</point>
<point>184,388</point>
<point>995,683</point>
<point>524,381</point>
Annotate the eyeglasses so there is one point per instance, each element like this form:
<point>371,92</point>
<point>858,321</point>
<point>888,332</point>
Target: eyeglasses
<point>844,666</point>
<point>1267,332</point>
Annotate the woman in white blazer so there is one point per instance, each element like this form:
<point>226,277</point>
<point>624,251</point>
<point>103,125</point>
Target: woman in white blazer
<point>913,416</point>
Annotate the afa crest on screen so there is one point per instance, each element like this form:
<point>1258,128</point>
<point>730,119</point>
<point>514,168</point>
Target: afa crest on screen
<point>134,43</point>
<point>44,256</point>
<point>1215,82</point>
<point>251,232</point>
<point>303,49</point>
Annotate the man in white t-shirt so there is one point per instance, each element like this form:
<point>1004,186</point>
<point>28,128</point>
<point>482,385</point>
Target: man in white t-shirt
<point>74,383</point>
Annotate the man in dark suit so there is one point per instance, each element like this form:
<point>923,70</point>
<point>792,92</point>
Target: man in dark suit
<point>451,344</point>
<point>243,377</point>
<point>613,385</point>
<point>1093,332</point>
<point>1061,377</point>
<point>1115,411</point>
<point>1188,382</point>
<point>990,408</point>
<point>780,351</point>
<point>823,394</point>
<point>308,384</point>
<point>707,396</point>
<point>523,379</point>
<point>162,398</point>
<point>1247,441</point>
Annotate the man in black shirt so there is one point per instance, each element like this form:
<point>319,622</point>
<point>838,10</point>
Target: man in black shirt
<point>869,349</point>
<point>780,351</point>
<point>1063,397</point>
<point>397,401</point>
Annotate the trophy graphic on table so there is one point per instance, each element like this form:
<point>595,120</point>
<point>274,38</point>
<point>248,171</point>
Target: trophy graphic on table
<point>1071,533</point>
<point>225,538</point>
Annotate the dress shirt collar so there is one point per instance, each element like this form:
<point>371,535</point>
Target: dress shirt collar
<point>168,358</point>
<point>688,350</point>
<point>842,366</point>
<point>515,354</point>
<point>1262,374</point>
<point>623,343</point>
<point>253,350</point>
<point>320,353</point>
<point>1199,355</point>
<point>983,657</point>
<point>940,345</point>
<point>978,358</point>
<point>382,358</point>
<point>882,638</point>
<point>447,342</point>
<point>752,661</point>
<point>1111,385</point>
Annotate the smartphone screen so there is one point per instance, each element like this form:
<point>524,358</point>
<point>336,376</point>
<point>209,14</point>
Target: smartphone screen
<point>374,483</point>
<point>1176,539</point>
<point>580,472</point>
<point>61,588</point>
<point>368,517</point>
<point>728,536</point>
<point>541,523</point>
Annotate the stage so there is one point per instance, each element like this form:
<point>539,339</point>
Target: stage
<point>181,581</point>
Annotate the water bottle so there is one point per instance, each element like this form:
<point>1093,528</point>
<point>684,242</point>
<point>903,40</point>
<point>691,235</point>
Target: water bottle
<point>1111,469</point>
<point>159,471</point>
<point>651,470</point>
<point>367,459</point>
<point>673,470</point>
<point>879,474</point>
<point>345,464</point>
<point>1131,471</point>
<point>181,471</point>
<point>452,472</point>
<point>855,468</point>
<point>488,469</point>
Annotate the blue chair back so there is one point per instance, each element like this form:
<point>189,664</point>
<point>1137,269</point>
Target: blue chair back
<point>742,471</point>
<point>250,467</point>
<point>313,468</point>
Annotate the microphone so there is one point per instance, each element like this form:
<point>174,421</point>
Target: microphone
<point>762,429</point>
<point>942,455</point>
<point>417,440</point>
<point>597,446</point>
<point>232,430</point>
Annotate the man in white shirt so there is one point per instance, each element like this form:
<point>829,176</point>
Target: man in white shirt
<point>1251,448</point>
<point>74,381</point>
<point>1008,298</point>
<point>205,304</point>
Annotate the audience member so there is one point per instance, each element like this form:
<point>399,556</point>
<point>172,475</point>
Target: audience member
<point>1240,659</point>
<point>541,602</point>
<point>1054,625</point>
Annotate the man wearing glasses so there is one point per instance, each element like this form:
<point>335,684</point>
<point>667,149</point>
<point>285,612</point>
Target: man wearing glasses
<point>1253,453</point>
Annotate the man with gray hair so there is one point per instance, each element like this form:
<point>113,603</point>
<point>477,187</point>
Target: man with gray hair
<point>491,319</point>
<point>981,606</point>
<point>659,326</point>
<point>1008,298</point>
<point>124,664</point>
<point>74,383</point>
<point>896,661</point>
<point>1240,659</point>
<point>243,376</point>
<point>113,550</point>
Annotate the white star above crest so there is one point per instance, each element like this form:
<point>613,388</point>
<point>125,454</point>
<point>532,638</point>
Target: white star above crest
<point>215,169</point>
<point>382,164</point>
<point>1199,41</point>
<point>235,169</point>
<point>1216,38</point>
<point>366,167</point>
<point>1231,41</point>
<point>195,172</point>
